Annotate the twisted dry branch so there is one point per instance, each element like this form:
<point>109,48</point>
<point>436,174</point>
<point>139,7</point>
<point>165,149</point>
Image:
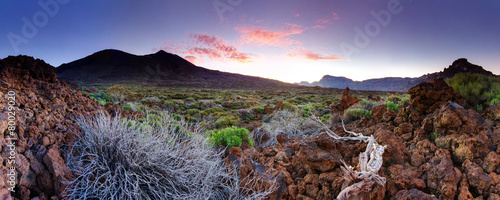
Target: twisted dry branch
<point>370,161</point>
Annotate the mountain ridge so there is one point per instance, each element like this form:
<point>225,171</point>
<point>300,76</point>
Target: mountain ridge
<point>160,68</point>
<point>398,84</point>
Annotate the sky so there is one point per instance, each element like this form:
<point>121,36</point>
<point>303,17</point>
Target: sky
<point>286,40</point>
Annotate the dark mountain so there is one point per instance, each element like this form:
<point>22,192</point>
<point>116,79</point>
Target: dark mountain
<point>398,84</point>
<point>161,69</point>
<point>458,66</point>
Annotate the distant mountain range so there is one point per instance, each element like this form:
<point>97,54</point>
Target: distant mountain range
<point>159,69</point>
<point>166,69</point>
<point>398,84</point>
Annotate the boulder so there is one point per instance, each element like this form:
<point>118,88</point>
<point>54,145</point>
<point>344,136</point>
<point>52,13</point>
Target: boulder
<point>442,176</point>
<point>426,97</point>
<point>345,102</point>
<point>478,180</point>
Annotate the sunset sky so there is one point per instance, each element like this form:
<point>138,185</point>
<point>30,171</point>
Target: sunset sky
<point>287,40</point>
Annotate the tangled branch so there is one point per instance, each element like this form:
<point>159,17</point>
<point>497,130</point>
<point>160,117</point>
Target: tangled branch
<point>370,161</point>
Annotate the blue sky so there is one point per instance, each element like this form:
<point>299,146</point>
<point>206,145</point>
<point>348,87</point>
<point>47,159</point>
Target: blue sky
<point>287,40</point>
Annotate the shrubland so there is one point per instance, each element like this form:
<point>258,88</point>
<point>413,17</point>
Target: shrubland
<point>478,90</point>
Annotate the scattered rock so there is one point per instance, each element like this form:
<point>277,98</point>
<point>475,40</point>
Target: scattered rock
<point>346,102</point>
<point>412,194</point>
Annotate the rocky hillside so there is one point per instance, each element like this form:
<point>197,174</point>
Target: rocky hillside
<point>399,84</point>
<point>159,69</point>
<point>44,126</point>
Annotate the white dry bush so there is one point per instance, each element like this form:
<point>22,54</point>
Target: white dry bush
<point>289,123</point>
<point>166,159</point>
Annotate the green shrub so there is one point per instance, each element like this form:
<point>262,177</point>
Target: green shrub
<point>357,112</point>
<point>229,137</point>
<point>391,106</point>
<point>178,96</point>
<point>118,93</point>
<point>126,107</point>
<point>259,109</point>
<point>288,106</point>
<point>104,96</point>
<point>477,89</point>
<point>101,101</point>
<point>495,100</point>
<point>227,121</point>
<point>306,110</point>
<point>326,118</point>
<point>368,104</point>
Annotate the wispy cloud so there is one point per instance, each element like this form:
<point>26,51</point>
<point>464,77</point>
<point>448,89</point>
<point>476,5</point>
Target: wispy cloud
<point>328,19</point>
<point>310,55</point>
<point>335,16</point>
<point>297,15</point>
<point>266,37</point>
<point>318,27</point>
<point>210,46</point>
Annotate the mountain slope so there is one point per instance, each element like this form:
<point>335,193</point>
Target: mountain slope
<point>161,68</point>
<point>399,84</point>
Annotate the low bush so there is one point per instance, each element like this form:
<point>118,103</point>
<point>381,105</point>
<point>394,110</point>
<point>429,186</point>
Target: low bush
<point>291,124</point>
<point>288,106</point>
<point>112,159</point>
<point>227,121</point>
<point>118,93</point>
<point>477,89</point>
<point>355,113</point>
<point>126,107</point>
<point>230,137</point>
<point>259,109</point>
<point>392,106</point>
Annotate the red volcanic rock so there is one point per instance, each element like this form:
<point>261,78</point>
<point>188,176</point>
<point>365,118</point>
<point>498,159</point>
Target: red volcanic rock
<point>346,102</point>
<point>478,180</point>
<point>426,97</point>
<point>491,162</point>
<point>396,151</point>
<point>400,177</point>
<point>378,112</point>
<point>412,194</point>
<point>442,176</point>
<point>46,114</point>
<point>317,159</point>
<point>366,190</point>
<point>20,68</point>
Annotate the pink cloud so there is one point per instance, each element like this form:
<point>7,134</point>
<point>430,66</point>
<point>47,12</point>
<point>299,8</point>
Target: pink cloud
<point>328,19</point>
<point>263,36</point>
<point>191,59</point>
<point>335,16</point>
<point>203,45</point>
<point>297,15</point>
<point>310,55</point>
<point>323,21</point>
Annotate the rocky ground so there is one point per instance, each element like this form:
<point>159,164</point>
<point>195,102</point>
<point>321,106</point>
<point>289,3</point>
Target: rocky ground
<point>436,149</point>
